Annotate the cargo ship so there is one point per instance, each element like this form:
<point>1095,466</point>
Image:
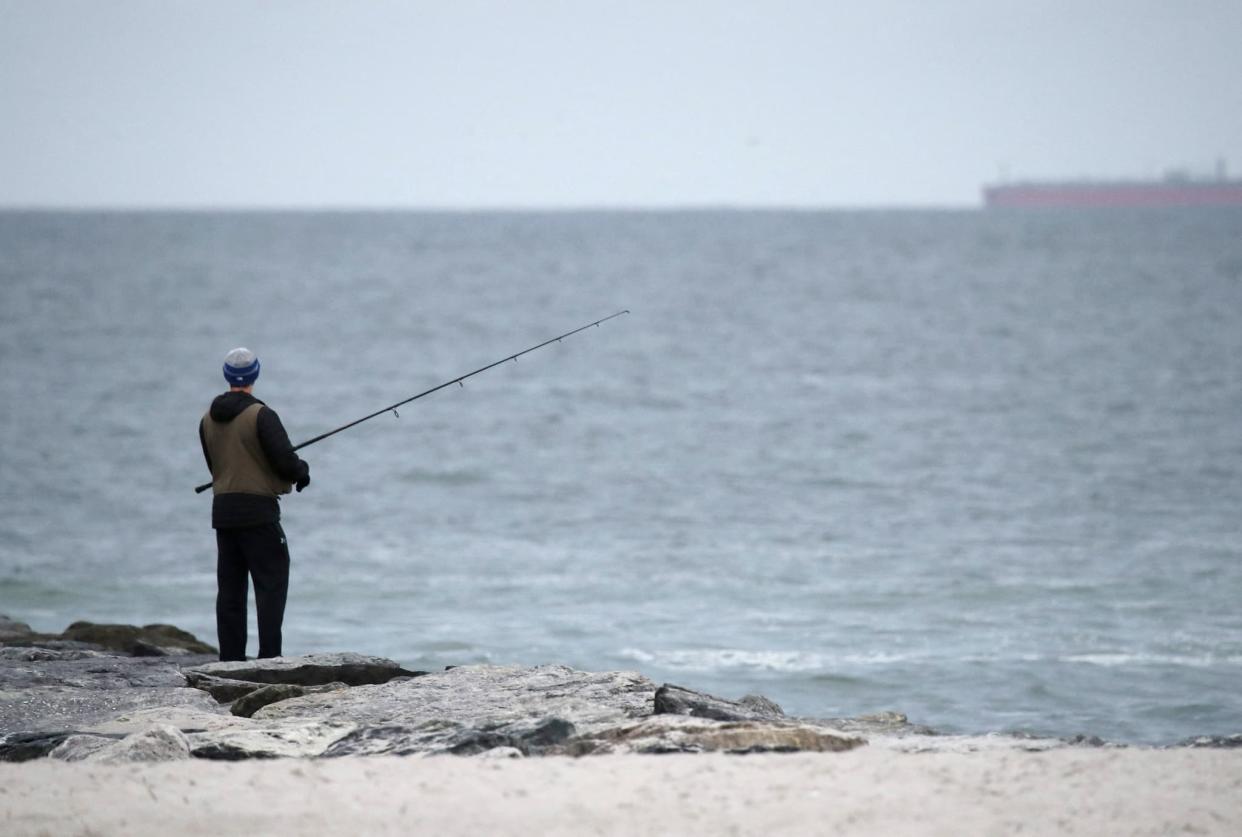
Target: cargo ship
<point>1176,189</point>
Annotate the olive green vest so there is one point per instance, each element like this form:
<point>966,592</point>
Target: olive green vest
<point>238,464</point>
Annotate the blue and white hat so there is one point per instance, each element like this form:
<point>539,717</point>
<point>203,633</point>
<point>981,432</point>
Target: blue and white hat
<point>241,367</point>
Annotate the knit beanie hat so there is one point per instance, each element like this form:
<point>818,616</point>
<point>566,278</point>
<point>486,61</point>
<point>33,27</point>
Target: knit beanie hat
<point>241,367</point>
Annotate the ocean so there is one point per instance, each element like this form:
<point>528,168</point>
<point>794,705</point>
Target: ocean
<point>981,468</point>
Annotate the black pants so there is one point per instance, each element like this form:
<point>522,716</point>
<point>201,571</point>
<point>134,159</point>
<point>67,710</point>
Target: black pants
<point>261,553</point>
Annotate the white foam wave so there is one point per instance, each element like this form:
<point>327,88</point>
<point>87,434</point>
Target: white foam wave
<point>1111,660</point>
<point>797,662</point>
<point>716,659</point>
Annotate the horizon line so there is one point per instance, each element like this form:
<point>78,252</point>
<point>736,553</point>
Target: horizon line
<point>464,209</point>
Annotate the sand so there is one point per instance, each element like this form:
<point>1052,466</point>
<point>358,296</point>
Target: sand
<point>866,791</point>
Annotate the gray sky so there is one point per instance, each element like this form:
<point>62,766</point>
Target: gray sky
<point>548,104</point>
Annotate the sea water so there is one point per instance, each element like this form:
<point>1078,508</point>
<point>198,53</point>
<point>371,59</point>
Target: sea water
<point>981,468</point>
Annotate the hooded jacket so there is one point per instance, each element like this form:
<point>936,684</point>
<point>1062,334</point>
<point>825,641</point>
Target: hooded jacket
<point>250,458</point>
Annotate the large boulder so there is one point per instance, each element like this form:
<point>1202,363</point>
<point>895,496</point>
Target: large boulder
<point>73,692</point>
<point>548,710</point>
<point>167,639</point>
<point>81,746</point>
<point>158,743</point>
<point>483,695</point>
<point>247,739</point>
<point>886,724</point>
<point>85,670</point>
<point>1224,742</point>
<point>147,641</point>
<point>466,710</point>
<point>11,629</point>
<point>222,689</point>
<point>26,746</point>
<point>252,702</point>
<point>22,654</point>
<point>688,734</point>
<point>677,700</point>
<point>310,670</point>
<point>457,738</point>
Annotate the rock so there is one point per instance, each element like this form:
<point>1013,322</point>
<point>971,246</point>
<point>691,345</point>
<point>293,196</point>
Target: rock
<point>79,747</point>
<point>185,718</point>
<point>65,694</point>
<point>483,695</point>
<point>11,629</point>
<point>247,705</point>
<point>891,724</point>
<point>253,741</point>
<point>467,710</point>
<point>139,648</point>
<point>126,639</point>
<point>1215,741</point>
<point>762,706</point>
<point>159,743</point>
<point>543,737</point>
<point>676,700</point>
<point>55,644</point>
<point>688,734</point>
<point>89,671</point>
<point>223,690</point>
<point>310,670</point>
<point>884,719</point>
<point>454,738</point>
<point>43,655</point>
<point>61,708</point>
<point>25,746</point>
<point>396,740</point>
<point>223,750</point>
<point>548,734</point>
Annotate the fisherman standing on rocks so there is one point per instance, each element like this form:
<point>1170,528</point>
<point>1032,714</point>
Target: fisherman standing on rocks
<point>252,463</point>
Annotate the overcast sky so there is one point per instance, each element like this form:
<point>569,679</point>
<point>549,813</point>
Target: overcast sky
<point>628,103</point>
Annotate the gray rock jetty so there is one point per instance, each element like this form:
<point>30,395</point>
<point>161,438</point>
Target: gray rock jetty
<point>129,694</point>
<point>117,693</point>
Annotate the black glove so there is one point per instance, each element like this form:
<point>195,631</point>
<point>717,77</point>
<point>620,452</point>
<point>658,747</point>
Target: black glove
<point>303,480</point>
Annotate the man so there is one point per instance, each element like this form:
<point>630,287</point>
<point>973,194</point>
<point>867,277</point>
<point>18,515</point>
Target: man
<point>252,463</point>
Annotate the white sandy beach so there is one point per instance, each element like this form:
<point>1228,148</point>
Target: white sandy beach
<point>867,791</point>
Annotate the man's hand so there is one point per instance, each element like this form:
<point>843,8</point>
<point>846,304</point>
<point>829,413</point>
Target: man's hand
<point>303,481</point>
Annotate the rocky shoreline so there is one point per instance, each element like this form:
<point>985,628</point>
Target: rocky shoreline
<point>116,694</point>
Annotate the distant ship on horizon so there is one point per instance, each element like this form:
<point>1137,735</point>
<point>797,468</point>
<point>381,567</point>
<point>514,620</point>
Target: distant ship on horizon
<point>1177,188</point>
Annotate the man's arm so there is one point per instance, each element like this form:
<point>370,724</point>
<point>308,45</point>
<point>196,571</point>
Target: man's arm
<point>202,439</point>
<point>279,450</point>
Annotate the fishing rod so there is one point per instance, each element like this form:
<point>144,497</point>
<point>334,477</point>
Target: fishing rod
<point>458,380</point>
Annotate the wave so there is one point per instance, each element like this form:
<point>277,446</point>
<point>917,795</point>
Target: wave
<point>786,662</point>
<point>1112,660</point>
<point>798,662</point>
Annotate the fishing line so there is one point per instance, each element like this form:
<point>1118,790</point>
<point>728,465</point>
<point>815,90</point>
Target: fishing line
<point>458,380</point>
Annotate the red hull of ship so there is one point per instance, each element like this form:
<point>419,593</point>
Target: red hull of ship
<point>1101,195</point>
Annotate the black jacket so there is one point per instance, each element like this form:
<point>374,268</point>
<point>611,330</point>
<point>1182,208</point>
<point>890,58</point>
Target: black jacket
<point>230,511</point>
